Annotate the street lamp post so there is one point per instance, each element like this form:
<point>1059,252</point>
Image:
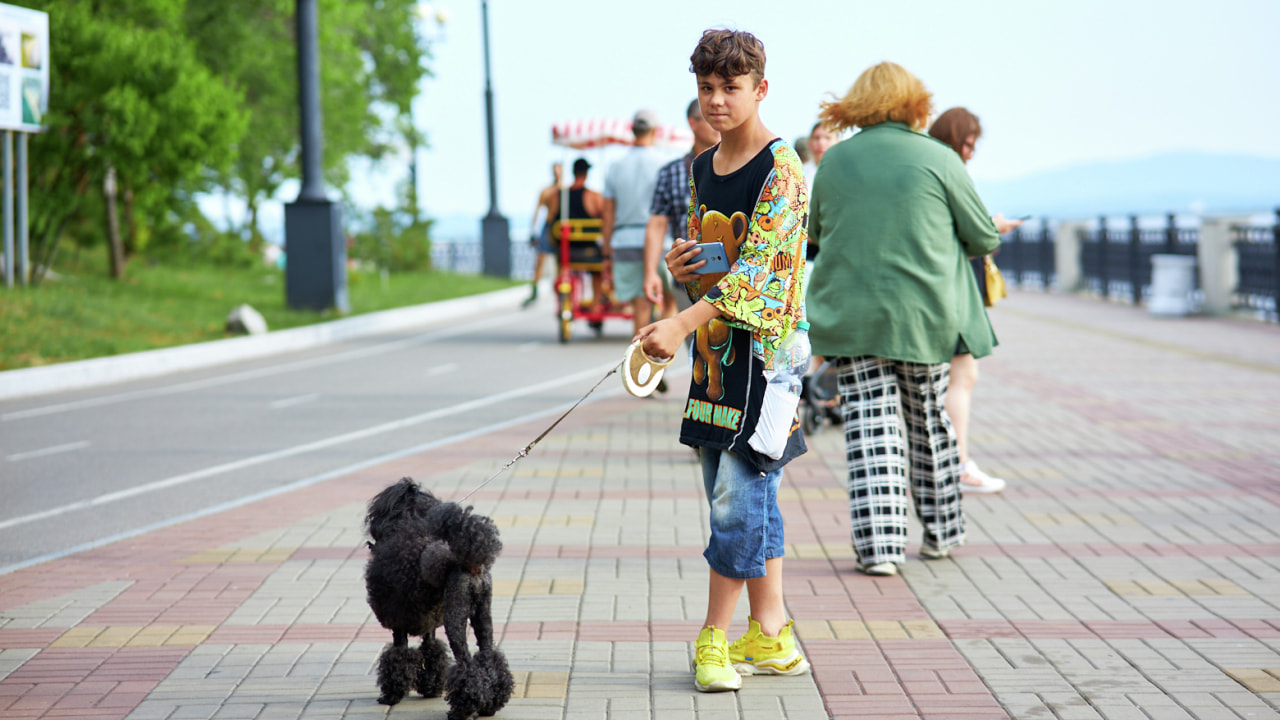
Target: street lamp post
<point>315,251</point>
<point>495,233</point>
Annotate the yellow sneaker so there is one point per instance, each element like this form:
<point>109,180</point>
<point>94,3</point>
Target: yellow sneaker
<point>758,654</point>
<point>711,669</point>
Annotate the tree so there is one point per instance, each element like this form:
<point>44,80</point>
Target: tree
<point>172,97</point>
<point>129,102</point>
<point>371,58</point>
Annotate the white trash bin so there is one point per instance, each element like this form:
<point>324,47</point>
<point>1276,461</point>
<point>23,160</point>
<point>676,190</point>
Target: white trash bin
<point>1173,278</point>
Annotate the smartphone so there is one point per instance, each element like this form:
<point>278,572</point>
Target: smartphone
<point>717,260</point>
<point>1023,218</point>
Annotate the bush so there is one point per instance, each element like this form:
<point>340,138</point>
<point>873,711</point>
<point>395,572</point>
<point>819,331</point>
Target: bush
<point>394,242</point>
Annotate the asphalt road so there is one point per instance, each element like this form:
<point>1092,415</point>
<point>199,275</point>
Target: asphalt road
<point>83,468</point>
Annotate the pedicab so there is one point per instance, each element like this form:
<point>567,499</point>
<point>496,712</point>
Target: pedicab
<point>580,250</point>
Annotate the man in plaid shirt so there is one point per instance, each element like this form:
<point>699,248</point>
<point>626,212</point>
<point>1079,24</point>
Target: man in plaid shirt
<point>669,214</point>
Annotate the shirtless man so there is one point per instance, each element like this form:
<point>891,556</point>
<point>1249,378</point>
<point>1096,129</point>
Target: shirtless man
<point>539,236</point>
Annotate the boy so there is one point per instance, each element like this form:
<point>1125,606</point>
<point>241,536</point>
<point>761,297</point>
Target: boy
<point>749,193</point>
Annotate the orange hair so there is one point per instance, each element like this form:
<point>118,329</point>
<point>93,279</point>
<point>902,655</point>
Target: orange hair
<point>881,93</point>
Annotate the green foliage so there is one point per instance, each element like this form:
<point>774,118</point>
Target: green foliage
<point>224,250</point>
<point>394,242</point>
<point>127,92</point>
<point>179,96</point>
<point>370,58</point>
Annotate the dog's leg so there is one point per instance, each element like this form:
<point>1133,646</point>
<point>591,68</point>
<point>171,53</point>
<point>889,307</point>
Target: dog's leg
<point>463,688</point>
<point>457,610</point>
<point>435,663</point>
<point>489,662</point>
<point>480,684</point>
<point>397,667</point>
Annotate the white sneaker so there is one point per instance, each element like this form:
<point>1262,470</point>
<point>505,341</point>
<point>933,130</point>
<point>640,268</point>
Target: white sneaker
<point>972,479</point>
<point>933,552</point>
<point>883,569</point>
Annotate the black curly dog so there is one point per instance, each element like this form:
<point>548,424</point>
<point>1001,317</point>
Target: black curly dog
<point>429,566</point>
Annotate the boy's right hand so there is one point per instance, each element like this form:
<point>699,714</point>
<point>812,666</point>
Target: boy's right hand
<point>663,338</point>
<point>680,260</point>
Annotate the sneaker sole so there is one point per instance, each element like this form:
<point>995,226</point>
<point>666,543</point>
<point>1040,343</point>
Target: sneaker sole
<point>746,668</point>
<point>719,686</point>
<point>876,571</point>
<point>981,489</point>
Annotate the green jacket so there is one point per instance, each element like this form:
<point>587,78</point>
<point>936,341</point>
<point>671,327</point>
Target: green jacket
<point>895,217</point>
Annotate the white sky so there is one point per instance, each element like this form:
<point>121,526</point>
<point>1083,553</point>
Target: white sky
<point>1055,83</point>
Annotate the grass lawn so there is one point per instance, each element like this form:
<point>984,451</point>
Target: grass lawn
<point>84,314</point>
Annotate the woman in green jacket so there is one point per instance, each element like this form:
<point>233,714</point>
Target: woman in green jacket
<point>896,217</point>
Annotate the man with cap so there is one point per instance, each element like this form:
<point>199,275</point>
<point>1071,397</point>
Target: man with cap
<point>628,192</point>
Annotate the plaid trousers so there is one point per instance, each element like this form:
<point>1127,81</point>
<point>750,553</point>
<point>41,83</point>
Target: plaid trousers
<point>879,396</point>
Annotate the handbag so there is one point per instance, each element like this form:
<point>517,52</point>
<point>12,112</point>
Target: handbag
<point>995,282</point>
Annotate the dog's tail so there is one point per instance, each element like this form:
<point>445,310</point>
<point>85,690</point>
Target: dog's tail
<point>402,501</point>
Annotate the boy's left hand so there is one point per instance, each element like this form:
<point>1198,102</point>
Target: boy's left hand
<point>681,260</point>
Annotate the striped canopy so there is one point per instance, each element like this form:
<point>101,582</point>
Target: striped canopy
<point>599,132</point>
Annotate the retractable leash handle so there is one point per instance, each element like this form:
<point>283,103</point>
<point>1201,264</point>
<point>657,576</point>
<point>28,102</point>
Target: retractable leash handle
<point>524,452</point>
<point>640,372</point>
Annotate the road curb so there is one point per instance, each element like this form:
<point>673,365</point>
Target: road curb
<point>81,374</point>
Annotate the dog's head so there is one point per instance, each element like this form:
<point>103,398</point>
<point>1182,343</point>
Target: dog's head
<point>473,539</point>
<point>401,504</point>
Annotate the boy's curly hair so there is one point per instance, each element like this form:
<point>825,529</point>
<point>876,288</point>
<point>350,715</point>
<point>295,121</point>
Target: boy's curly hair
<point>729,54</point>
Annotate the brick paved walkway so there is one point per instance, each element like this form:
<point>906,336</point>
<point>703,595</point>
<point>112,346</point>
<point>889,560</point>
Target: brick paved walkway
<point>1131,570</point>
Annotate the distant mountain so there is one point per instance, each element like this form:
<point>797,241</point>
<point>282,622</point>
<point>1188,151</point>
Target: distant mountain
<point>1183,183</point>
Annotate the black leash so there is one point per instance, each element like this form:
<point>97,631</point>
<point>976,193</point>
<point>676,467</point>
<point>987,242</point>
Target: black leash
<point>527,448</point>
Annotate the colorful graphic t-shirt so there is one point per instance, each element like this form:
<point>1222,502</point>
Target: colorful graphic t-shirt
<point>759,212</point>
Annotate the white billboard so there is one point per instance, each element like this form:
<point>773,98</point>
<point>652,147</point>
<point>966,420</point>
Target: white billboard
<point>24,68</point>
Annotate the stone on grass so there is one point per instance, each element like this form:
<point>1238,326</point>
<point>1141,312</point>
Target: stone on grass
<point>244,320</point>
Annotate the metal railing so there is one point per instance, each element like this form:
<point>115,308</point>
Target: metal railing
<point>1027,257</point>
<point>1258,267</point>
<point>467,257</point>
<point>1116,262</point>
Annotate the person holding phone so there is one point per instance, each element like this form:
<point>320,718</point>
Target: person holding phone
<point>960,130</point>
<point>748,193</point>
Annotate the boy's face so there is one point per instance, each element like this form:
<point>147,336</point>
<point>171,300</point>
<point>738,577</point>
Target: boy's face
<point>727,103</point>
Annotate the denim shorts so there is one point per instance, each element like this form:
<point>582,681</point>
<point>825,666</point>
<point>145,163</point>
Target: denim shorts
<point>544,242</point>
<point>746,524</point>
